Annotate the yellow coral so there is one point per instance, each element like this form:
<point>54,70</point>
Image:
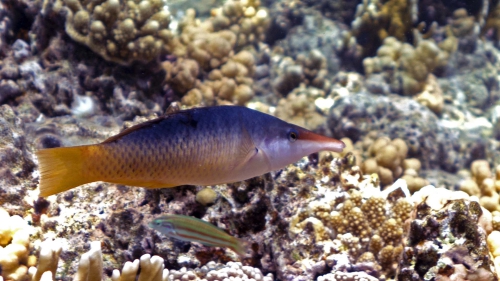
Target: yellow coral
<point>223,73</point>
<point>14,246</point>
<point>299,108</point>
<point>484,184</point>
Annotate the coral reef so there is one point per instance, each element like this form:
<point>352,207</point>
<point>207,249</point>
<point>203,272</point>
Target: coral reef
<point>299,108</point>
<point>310,70</point>
<point>376,20</point>
<point>411,88</point>
<point>463,227</point>
<point>16,161</point>
<point>484,184</point>
<point>407,69</point>
<point>121,32</point>
<point>492,240</point>
<point>212,66</point>
<point>358,114</point>
<point>366,233</point>
<point>316,33</point>
<point>147,267</point>
<point>388,159</point>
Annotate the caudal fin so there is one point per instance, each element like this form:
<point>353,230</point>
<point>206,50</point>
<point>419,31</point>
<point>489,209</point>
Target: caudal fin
<point>240,247</point>
<point>60,169</point>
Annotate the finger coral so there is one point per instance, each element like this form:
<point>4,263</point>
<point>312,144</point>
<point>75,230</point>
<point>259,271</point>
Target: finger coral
<point>14,246</point>
<point>388,159</point>
<point>299,108</point>
<point>47,261</point>
<point>483,184</point>
<point>405,67</point>
<point>147,267</point>
<point>212,67</point>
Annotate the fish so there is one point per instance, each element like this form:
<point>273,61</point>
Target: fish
<point>191,229</point>
<point>200,146</point>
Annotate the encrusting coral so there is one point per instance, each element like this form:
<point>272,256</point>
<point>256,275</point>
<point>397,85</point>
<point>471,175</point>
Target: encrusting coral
<point>120,31</point>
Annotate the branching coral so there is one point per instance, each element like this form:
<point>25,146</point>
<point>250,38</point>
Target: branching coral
<point>299,108</point>
<point>407,68</point>
<point>245,18</point>
<point>90,267</point>
<point>119,31</point>
<point>364,226</point>
<point>47,261</point>
<point>212,66</point>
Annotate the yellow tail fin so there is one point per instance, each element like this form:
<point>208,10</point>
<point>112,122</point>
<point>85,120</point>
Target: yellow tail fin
<point>60,169</point>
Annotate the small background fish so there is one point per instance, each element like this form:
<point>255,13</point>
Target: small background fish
<point>192,229</point>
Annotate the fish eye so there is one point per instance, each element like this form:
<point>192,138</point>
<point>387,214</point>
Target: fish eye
<point>167,225</point>
<point>293,135</point>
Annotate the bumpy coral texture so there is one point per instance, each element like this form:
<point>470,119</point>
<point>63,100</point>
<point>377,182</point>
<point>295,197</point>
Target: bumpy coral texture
<point>357,114</point>
<point>407,68</point>
<point>388,159</point>
<point>120,31</point>
<point>214,65</point>
<point>484,184</point>
<point>367,230</point>
<point>14,246</point>
<point>299,108</point>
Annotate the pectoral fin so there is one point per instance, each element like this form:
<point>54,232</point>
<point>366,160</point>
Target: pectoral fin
<point>247,151</point>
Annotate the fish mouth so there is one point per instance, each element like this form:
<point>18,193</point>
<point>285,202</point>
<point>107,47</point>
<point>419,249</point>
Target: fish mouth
<point>327,143</point>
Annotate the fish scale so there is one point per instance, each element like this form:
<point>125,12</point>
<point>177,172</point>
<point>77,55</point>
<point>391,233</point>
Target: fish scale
<point>202,146</point>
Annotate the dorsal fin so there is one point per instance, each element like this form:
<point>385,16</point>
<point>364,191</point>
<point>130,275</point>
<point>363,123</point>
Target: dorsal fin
<point>135,128</point>
<point>147,124</point>
<point>173,108</point>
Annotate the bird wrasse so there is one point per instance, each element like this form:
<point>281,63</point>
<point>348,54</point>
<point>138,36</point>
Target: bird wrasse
<point>201,146</point>
<point>191,229</point>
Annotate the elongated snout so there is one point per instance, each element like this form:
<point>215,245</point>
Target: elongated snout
<point>322,142</point>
